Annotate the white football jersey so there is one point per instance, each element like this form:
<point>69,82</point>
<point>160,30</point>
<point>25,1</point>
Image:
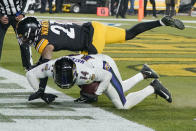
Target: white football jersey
<point>89,68</point>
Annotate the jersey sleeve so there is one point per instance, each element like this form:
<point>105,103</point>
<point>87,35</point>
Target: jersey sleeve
<point>104,77</point>
<point>41,71</point>
<point>41,45</point>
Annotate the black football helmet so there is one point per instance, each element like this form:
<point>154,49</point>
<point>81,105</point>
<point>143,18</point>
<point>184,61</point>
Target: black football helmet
<point>27,30</point>
<point>64,73</point>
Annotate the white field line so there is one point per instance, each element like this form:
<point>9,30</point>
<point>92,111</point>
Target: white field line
<point>100,119</point>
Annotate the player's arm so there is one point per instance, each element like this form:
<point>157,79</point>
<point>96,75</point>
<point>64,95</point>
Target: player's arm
<point>45,48</point>
<point>46,55</point>
<point>34,74</point>
<point>104,77</point>
<point>47,52</point>
<point>41,72</point>
<point>100,81</point>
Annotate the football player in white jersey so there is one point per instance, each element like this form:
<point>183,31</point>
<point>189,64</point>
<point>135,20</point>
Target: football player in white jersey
<point>88,69</point>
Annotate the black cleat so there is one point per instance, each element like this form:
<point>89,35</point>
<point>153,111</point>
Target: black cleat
<point>169,21</point>
<point>161,90</point>
<point>148,72</point>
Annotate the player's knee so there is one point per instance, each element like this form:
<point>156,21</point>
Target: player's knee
<point>128,107</point>
<point>118,104</point>
<point>129,34</point>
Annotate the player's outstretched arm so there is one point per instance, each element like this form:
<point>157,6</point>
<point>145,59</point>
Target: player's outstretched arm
<point>41,72</point>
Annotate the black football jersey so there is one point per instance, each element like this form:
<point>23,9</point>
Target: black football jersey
<point>62,36</point>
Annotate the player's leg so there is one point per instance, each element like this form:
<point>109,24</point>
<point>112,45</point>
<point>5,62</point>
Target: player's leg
<point>108,34</point>
<point>115,90</point>
<point>115,34</point>
<point>98,40</point>
<point>104,34</point>
<point>145,26</point>
<point>3,29</point>
<point>172,6</point>
<point>145,5</point>
<point>155,86</point>
<point>116,96</point>
<point>154,7</point>
<point>145,73</point>
<point>136,97</point>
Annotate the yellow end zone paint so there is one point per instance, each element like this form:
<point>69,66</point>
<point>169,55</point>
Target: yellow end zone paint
<point>169,45</point>
<point>149,52</point>
<point>157,59</point>
<point>173,69</point>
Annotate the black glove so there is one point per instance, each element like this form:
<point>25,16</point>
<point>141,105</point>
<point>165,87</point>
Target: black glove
<point>48,98</point>
<point>36,95</point>
<point>86,98</point>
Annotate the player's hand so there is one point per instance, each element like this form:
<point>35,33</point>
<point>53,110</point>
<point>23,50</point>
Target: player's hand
<point>36,95</point>
<point>48,98</point>
<point>4,20</point>
<point>86,98</point>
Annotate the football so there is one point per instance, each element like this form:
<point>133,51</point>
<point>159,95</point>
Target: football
<point>90,88</point>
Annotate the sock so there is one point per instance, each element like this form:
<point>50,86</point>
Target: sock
<point>141,27</point>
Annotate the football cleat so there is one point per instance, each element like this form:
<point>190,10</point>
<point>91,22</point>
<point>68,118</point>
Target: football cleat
<point>161,90</point>
<point>148,72</point>
<point>169,21</point>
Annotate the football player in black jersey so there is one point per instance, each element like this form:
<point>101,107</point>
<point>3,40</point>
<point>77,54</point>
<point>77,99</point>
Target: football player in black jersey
<point>89,38</point>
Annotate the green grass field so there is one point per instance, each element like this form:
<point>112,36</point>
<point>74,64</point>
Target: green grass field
<point>171,52</point>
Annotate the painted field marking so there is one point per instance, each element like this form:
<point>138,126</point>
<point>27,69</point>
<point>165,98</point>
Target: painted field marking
<point>168,49</point>
<point>173,69</point>
<point>148,52</point>
<point>157,59</point>
<point>17,114</point>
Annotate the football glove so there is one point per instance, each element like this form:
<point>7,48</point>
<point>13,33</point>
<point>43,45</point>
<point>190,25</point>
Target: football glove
<point>36,95</point>
<point>86,98</point>
<point>48,98</point>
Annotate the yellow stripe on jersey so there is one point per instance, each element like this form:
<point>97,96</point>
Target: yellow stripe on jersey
<point>41,45</point>
<point>104,34</point>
